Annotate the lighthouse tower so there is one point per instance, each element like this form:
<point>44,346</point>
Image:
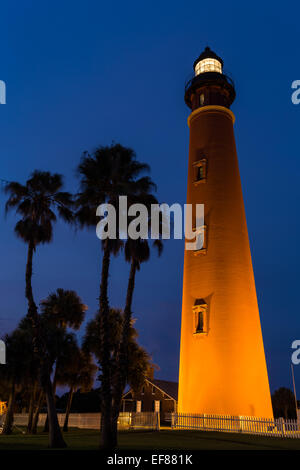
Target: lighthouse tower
<point>222,360</point>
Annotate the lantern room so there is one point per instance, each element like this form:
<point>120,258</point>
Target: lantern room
<point>209,86</point>
<point>208,61</point>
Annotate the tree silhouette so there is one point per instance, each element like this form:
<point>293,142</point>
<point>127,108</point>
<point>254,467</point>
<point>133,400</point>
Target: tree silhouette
<point>139,360</point>
<point>283,402</point>
<point>77,371</point>
<point>65,309</point>
<point>112,171</point>
<point>39,202</point>
<point>137,251</point>
<point>17,370</point>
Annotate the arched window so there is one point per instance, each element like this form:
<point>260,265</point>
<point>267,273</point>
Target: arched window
<point>200,317</point>
<point>200,171</point>
<point>199,321</point>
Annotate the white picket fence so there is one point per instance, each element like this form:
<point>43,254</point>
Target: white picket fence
<point>239,424</point>
<point>92,420</point>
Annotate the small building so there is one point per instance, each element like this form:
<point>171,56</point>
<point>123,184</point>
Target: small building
<point>155,395</point>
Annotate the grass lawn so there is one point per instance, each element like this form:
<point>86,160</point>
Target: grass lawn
<point>79,439</point>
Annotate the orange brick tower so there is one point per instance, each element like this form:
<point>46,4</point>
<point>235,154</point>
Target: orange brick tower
<point>222,360</point>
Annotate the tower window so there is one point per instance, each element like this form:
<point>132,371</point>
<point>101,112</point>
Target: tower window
<point>200,171</point>
<point>200,316</point>
<point>199,322</point>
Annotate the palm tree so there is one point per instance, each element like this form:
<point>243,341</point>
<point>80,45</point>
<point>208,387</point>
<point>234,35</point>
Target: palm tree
<point>39,202</point>
<point>137,251</point>
<point>57,342</point>
<point>21,342</point>
<point>16,371</point>
<point>112,171</point>
<point>64,352</point>
<point>139,360</point>
<point>65,309</point>
<point>33,390</point>
<point>36,413</point>
<point>77,371</point>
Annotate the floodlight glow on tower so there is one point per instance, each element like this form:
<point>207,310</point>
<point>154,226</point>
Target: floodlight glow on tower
<point>222,361</point>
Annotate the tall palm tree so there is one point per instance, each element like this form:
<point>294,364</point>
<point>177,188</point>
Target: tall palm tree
<point>137,251</point>
<point>112,171</point>
<point>39,202</point>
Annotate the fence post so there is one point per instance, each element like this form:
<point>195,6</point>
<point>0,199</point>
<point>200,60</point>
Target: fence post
<point>283,427</point>
<point>158,421</point>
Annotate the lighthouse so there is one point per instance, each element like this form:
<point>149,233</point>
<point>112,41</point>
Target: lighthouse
<point>222,361</point>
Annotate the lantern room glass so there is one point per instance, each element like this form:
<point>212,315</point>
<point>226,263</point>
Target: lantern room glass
<point>208,65</point>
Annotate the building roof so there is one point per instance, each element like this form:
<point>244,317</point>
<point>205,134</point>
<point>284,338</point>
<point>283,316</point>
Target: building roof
<point>170,388</point>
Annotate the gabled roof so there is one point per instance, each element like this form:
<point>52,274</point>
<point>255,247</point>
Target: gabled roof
<point>170,388</point>
<point>165,386</point>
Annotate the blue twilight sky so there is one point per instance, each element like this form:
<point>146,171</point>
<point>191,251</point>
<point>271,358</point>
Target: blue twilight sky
<point>81,74</point>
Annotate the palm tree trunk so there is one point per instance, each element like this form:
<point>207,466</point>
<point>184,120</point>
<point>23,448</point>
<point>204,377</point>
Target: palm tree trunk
<point>9,418</point>
<point>122,366</point>
<point>32,308</point>
<point>46,425</point>
<point>55,436</point>
<point>68,409</point>
<point>32,312</point>
<point>106,421</point>
<point>55,379</point>
<point>37,412</point>
<point>31,408</point>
